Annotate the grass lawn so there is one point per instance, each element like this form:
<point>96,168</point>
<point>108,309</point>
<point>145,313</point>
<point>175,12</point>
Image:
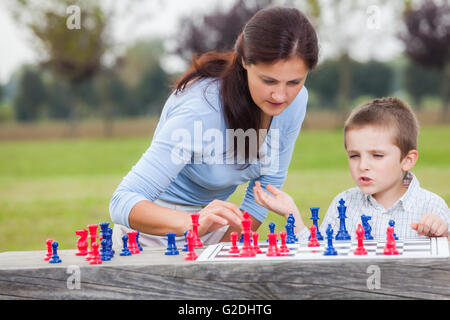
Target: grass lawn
<point>49,189</point>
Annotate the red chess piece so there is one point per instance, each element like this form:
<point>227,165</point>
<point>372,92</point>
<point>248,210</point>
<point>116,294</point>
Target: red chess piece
<point>197,242</point>
<point>82,243</point>
<point>93,237</point>
<point>132,242</point>
<point>190,238</point>
<point>247,249</point>
<point>256,248</point>
<point>49,254</point>
<point>95,255</point>
<point>272,250</point>
<point>313,241</point>
<point>283,248</point>
<point>390,248</point>
<point>234,248</point>
<point>360,250</point>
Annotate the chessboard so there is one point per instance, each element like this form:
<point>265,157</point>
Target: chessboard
<point>428,248</point>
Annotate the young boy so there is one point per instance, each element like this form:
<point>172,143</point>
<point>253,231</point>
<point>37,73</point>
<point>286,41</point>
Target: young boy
<point>380,138</point>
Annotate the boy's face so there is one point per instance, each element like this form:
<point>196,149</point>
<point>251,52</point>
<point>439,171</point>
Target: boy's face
<point>375,162</point>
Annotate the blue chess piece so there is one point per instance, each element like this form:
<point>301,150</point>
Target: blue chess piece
<point>366,226</point>
<point>171,246</point>
<point>290,234</point>
<point>392,224</point>
<point>315,218</point>
<point>110,243</point>
<point>330,250</point>
<point>104,254</point>
<point>125,250</point>
<point>137,241</point>
<point>55,258</point>
<point>106,234</point>
<point>185,248</point>
<point>343,233</point>
<point>271,229</point>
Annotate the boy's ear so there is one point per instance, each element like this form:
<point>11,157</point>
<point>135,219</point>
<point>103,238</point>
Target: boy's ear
<point>409,161</point>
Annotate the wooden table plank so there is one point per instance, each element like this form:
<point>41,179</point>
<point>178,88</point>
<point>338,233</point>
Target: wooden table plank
<point>152,275</point>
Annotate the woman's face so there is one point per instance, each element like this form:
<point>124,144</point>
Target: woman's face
<point>274,86</point>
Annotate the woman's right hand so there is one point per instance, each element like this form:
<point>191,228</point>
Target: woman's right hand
<point>217,214</point>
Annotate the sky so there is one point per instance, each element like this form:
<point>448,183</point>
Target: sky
<point>371,30</point>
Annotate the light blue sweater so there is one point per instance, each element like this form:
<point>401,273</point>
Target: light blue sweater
<point>183,163</point>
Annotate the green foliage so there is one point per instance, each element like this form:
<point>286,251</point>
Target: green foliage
<point>371,78</point>
<point>49,189</point>
<point>30,96</point>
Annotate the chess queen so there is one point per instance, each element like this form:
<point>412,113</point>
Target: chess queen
<point>253,92</point>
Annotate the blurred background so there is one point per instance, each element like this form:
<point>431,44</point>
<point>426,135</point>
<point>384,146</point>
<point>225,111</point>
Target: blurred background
<point>82,85</point>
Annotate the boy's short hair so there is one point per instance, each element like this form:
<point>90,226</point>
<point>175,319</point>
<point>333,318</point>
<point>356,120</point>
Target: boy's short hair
<point>388,112</point>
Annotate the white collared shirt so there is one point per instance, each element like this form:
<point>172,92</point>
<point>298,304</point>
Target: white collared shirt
<point>408,209</point>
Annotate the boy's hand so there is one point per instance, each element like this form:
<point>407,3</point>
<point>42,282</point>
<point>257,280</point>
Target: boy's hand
<point>431,225</point>
<point>280,202</point>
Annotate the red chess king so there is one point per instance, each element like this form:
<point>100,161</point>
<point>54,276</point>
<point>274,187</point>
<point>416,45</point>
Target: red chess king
<point>197,242</point>
<point>247,249</point>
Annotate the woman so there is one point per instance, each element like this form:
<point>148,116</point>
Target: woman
<point>256,90</point>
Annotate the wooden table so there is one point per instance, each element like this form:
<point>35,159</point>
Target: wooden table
<point>152,275</point>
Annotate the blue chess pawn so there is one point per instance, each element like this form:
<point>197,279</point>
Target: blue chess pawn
<point>315,218</point>
<point>104,255</point>
<point>110,243</point>
<point>290,226</point>
<point>55,258</point>
<point>171,246</point>
<point>366,226</point>
<point>271,229</point>
<point>185,248</point>
<point>137,241</point>
<point>125,250</point>
<point>330,250</point>
<point>343,233</point>
<point>392,224</point>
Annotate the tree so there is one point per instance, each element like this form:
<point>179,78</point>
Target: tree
<point>142,77</point>
<point>344,27</point>
<point>216,31</point>
<point>74,54</point>
<point>30,96</point>
<point>427,42</point>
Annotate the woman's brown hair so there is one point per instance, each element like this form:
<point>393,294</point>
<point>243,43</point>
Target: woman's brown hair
<point>272,34</point>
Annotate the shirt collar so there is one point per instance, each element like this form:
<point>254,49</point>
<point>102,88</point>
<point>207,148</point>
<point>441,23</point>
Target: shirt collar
<point>407,200</point>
